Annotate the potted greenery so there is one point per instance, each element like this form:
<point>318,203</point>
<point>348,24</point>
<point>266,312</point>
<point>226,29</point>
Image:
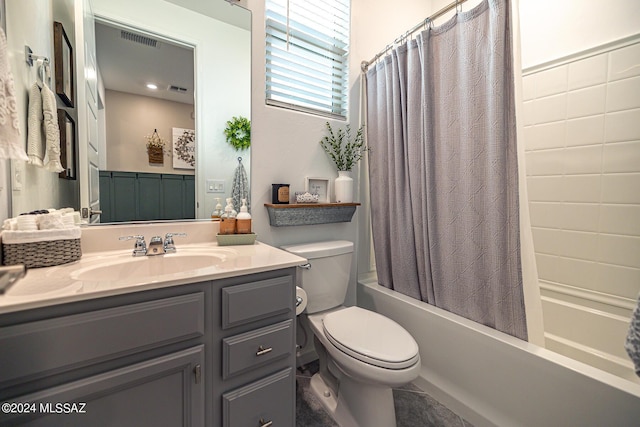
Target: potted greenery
<point>345,153</point>
<point>238,133</point>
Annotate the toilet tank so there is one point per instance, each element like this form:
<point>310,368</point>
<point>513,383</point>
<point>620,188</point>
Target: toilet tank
<point>327,279</point>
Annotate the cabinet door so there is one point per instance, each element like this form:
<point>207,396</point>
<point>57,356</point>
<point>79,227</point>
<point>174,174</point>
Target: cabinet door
<point>165,391</point>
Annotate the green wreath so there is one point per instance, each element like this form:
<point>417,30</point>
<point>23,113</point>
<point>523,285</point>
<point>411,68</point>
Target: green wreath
<point>238,133</point>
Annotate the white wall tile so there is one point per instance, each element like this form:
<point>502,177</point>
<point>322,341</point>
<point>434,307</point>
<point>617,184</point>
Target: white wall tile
<point>545,162</point>
<point>585,131</point>
<point>545,189</point>
<point>588,72</point>
<point>581,188</point>
<point>527,113</point>
<point>619,250</point>
<point>622,126</point>
<point>548,135</point>
<point>547,267</point>
<point>586,102</point>
<point>579,216</point>
<point>550,108</point>
<point>623,94</point>
<point>551,82</point>
<point>528,87</point>
<point>624,62</point>
<point>545,215</point>
<point>621,157</point>
<point>620,219</point>
<point>621,188</point>
<point>618,280</point>
<point>577,272</point>
<point>578,244</point>
<point>546,241</point>
<point>583,160</point>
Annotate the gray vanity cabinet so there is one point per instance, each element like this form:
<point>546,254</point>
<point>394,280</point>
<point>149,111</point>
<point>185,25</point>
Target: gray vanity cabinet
<point>203,354</point>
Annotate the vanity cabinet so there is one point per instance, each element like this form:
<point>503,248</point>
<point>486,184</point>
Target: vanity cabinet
<point>204,354</point>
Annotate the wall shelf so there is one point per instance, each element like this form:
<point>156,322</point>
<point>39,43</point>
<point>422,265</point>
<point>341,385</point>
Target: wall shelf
<point>309,213</point>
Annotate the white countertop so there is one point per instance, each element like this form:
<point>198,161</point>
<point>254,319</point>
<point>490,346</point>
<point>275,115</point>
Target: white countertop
<point>48,286</point>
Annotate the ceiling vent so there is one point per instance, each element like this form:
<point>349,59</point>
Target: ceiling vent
<point>178,89</point>
<point>139,38</point>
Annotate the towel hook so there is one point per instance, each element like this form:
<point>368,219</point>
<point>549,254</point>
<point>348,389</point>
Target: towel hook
<point>239,159</point>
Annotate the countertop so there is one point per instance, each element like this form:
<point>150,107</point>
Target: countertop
<point>48,286</point>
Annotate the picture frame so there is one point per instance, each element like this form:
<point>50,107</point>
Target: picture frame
<point>67,127</point>
<point>63,58</point>
<point>184,148</point>
<point>320,186</point>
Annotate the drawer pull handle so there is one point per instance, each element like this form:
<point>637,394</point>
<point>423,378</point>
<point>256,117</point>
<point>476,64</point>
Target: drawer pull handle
<point>261,351</point>
<point>264,423</point>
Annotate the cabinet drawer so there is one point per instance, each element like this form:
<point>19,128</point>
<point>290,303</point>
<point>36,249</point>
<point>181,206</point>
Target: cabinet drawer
<point>256,300</point>
<point>256,348</point>
<point>63,343</point>
<point>270,399</point>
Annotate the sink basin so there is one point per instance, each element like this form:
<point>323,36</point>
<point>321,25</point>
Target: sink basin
<point>147,267</point>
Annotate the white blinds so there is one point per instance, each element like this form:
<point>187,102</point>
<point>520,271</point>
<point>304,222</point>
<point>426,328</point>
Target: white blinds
<point>307,44</point>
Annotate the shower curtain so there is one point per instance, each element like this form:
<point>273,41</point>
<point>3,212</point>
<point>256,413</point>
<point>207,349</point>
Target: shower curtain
<point>443,169</point>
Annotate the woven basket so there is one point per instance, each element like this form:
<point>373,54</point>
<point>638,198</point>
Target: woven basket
<point>42,254</point>
<point>156,155</point>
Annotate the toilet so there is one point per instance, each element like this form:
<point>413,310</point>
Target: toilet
<point>362,354</point>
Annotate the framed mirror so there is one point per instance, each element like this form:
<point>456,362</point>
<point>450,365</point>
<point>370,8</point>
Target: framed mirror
<point>215,39</point>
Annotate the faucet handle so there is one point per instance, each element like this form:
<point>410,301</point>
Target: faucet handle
<point>169,245</point>
<point>140,247</point>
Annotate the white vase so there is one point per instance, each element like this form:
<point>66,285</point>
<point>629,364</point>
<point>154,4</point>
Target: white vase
<point>344,187</point>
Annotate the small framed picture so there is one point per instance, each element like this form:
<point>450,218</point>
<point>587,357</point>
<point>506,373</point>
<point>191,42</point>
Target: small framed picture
<point>320,186</point>
<point>63,52</point>
<point>67,145</point>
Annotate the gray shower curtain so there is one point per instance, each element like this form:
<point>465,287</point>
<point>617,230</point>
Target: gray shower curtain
<point>443,169</point>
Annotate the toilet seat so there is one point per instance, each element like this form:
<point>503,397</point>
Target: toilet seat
<point>371,338</point>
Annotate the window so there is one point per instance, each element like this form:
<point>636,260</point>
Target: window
<point>307,47</point>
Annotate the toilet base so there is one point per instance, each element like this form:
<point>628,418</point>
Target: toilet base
<point>357,405</point>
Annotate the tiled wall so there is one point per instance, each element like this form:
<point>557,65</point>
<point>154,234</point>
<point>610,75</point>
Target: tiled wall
<point>582,139</point>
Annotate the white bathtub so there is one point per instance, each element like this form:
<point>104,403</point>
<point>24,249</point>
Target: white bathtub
<point>493,379</point>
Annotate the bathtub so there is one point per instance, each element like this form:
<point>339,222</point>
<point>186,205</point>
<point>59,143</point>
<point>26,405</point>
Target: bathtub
<point>493,379</point>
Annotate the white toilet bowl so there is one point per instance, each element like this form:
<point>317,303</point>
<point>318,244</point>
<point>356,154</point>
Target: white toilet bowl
<point>362,356</point>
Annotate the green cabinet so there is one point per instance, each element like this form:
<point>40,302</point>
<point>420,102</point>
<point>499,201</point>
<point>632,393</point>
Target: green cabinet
<point>135,196</point>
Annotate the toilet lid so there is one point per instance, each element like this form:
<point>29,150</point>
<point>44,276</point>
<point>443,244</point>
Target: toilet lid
<point>371,338</point>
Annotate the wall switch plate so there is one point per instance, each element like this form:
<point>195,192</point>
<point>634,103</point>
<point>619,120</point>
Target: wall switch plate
<point>215,186</point>
<point>17,173</point>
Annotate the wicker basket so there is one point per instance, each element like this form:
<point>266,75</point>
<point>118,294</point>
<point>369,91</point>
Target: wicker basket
<point>41,254</point>
<point>156,155</point>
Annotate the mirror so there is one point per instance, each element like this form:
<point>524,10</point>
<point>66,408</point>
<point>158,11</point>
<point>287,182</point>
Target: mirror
<point>200,57</point>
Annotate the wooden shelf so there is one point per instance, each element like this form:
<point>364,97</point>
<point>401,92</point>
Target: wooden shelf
<point>282,215</point>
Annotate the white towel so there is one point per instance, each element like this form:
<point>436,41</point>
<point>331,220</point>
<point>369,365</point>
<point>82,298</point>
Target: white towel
<point>10,143</point>
<point>35,149</point>
<point>632,344</point>
<point>51,130</point>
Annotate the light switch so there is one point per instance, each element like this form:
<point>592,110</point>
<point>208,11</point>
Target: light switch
<point>215,186</point>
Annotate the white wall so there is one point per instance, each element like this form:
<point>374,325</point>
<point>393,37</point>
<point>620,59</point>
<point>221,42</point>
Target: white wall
<point>553,29</point>
<point>129,118</point>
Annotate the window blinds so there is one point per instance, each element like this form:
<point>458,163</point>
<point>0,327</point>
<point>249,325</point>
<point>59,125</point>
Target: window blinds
<point>307,45</point>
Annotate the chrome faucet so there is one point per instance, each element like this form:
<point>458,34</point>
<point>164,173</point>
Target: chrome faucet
<point>156,247</point>
<point>140,247</point>
<point>169,245</point>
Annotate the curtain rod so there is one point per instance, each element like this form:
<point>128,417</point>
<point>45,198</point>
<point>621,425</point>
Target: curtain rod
<point>365,64</point>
